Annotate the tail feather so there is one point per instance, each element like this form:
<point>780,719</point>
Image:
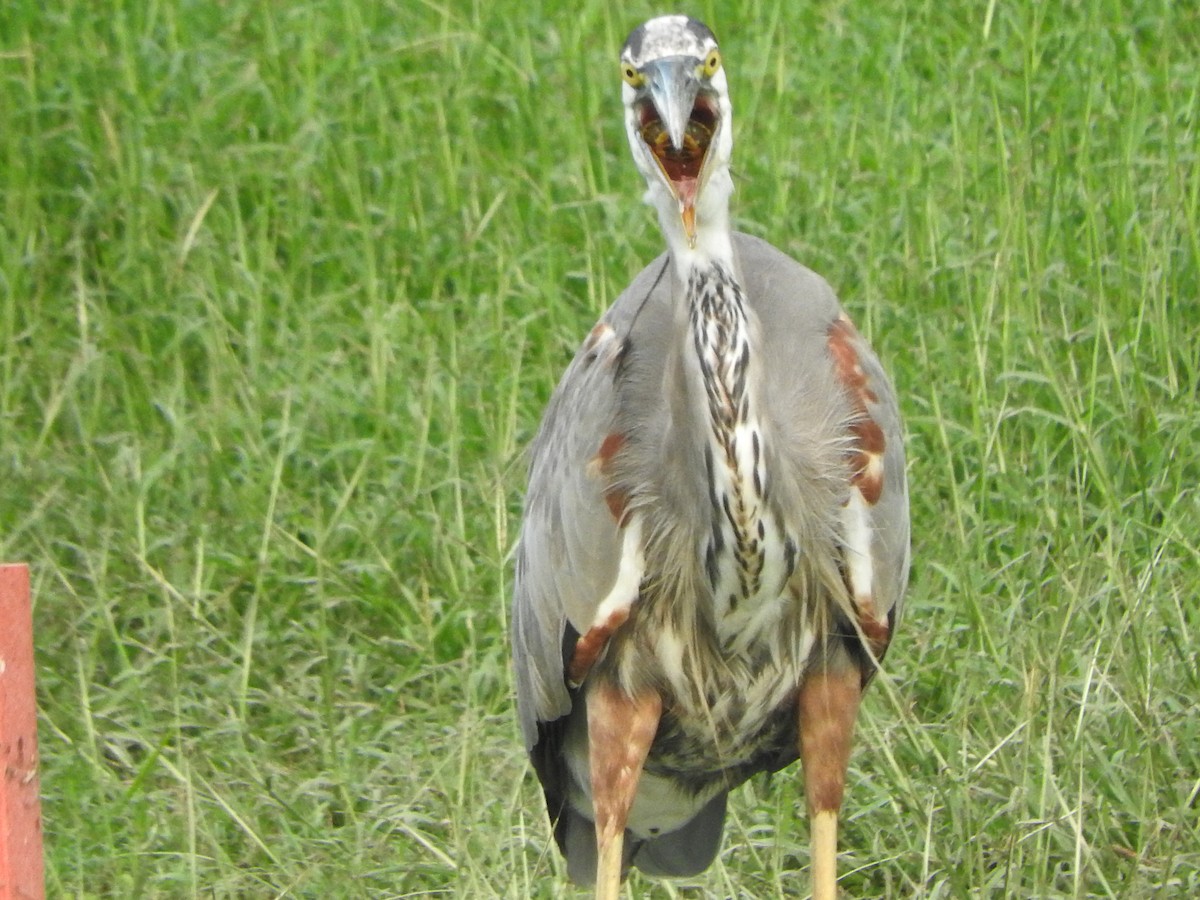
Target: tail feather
<point>681,853</point>
<point>688,850</point>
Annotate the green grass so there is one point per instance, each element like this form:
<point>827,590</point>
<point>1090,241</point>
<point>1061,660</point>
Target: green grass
<point>284,287</point>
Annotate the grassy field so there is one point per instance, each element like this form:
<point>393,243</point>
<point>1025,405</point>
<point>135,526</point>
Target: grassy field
<point>285,286</point>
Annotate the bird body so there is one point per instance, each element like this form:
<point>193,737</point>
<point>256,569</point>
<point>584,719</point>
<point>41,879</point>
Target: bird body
<point>716,523</point>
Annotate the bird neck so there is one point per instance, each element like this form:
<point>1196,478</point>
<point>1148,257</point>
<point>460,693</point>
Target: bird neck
<point>713,244</point>
<point>713,248</point>
<point>724,378</point>
<point>746,554</point>
<point>719,332</point>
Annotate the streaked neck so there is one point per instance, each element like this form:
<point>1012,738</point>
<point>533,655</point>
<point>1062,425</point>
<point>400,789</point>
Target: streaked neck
<point>747,555</point>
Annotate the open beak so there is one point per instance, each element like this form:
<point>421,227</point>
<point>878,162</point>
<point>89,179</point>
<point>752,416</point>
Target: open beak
<point>677,122</point>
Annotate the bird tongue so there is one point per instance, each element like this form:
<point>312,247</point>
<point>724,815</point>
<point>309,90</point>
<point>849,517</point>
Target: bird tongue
<point>685,190</point>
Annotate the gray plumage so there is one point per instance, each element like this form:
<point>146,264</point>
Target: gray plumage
<point>706,444</point>
<point>570,544</point>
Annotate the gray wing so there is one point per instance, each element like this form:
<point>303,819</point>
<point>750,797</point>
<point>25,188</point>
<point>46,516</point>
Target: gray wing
<point>569,549</point>
<point>890,526</point>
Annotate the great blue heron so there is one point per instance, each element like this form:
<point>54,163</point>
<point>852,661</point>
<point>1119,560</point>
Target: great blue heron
<point>715,542</point>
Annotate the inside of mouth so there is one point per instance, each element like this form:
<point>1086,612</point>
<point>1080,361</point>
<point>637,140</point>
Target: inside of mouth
<point>681,165</point>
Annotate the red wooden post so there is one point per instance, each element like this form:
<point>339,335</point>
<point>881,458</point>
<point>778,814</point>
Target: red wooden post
<point>21,874</point>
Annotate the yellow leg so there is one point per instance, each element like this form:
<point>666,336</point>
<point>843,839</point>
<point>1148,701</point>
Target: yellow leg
<point>824,855</point>
<point>620,732</point>
<point>608,866</point>
<point>828,705</point>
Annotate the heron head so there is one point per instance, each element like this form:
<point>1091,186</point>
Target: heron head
<point>677,116</point>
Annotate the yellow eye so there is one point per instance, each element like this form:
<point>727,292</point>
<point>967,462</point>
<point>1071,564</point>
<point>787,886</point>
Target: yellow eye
<point>631,75</point>
<point>712,63</point>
